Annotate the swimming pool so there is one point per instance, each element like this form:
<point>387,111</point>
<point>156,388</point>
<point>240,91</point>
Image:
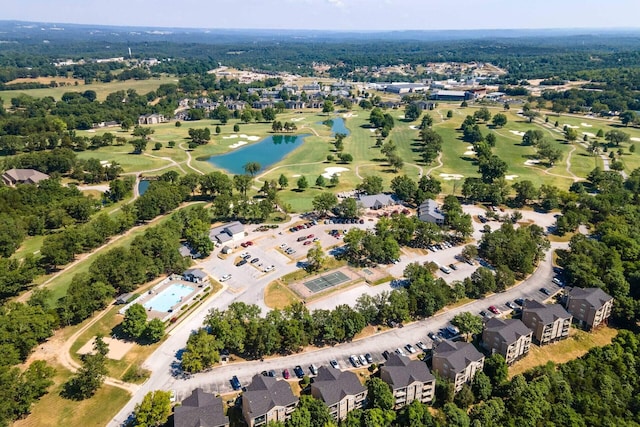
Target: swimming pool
<point>168,297</point>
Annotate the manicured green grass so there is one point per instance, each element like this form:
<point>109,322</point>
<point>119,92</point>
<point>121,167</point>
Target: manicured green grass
<point>101,89</point>
<point>31,245</point>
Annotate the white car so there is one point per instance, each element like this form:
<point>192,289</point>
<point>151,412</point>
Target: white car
<point>225,278</point>
<point>269,268</point>
<point>172,396</point>
<point>282,246</point>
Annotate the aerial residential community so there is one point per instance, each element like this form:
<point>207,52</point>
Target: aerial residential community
<point>205,224</point>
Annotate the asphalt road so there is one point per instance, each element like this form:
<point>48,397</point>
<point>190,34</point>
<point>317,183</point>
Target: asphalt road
<point>247,285</point>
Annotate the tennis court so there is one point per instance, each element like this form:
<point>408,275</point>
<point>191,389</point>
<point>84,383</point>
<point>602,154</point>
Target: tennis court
<point>324,282</point>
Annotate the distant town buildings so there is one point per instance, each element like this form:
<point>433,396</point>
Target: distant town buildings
<point>152,119</point>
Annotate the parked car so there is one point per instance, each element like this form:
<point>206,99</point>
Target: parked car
<point>253,261</point>
<point>445,270</point>
<point>453,266</point>
<point>272,373</point>
<point>313,369</point>
<point>302,238</point>
<point>286,374</point>
<point>368,357</point>
<point>511,305</point>
<point>354,360</point>
<point>386,355</point>
<point>362,359</point>
<point>268,269</point>
<point>249,243</point>
<point>310,236</point>
<point>545,291</point>
<point>241,262</point>
<point>411,349</point>
<point>334,363</point>
<point>558,282</point>
<point>421,346</point>
<point>246,256</point>
<point>283,246</point>
<point>400,351</point>
<point>235,383</point>
<point>308,242</point>
<point>519,301</point>
<point>434,337</point>
<point>244,244</point>
<point>225,278</point>
<point>453,331</point>
<point>485,314</point>
<point>298,371</point>
<point>494,309</point>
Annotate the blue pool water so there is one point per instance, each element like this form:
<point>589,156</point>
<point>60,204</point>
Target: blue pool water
<point>337,126</point>
<point>266,152</point>
<point>143,185</point>
<point>168,297</point>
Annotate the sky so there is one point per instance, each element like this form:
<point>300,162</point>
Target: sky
<point>332,14</point>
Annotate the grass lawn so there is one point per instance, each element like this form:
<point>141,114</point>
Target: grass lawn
<point>52,410</point>
<point>101,89</point>
<point>278,295</point>
<point>578,343</point>
<point>30,245</point>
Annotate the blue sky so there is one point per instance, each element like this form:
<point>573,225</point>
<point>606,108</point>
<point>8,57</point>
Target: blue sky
<point>333,14</point>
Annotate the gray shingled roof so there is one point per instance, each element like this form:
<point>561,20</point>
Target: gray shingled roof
<point>402,371</point>
<point>370,201</point>
<point>200,410</point>
<point>195,272</point>
<point>510,330</point>
<point>596,297</point>
<point>265,393</point>
<point>548,313</point>
<point>26,175</point>
<point>458,354</point>
<point>333,385</point>
<point>430,207</point>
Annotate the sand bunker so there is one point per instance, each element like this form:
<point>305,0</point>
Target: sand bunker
<point>517,132</point>
<point>105,163</point>
<point>532,162</point>
<point>469,153</point>
<point>238,144</point>
<point>401,116</point>
<point>451,176</point>
<point>117,348</point>
<point>250,138</point>
<point>296,176</point>
<point>589,134</point>
<point>297,119</point>
<point>347,115</point>
<point>230,137</point>
<point>372,130</point>
<point>635,139</point>
<point>572,127</point>
<point>510,177</point>
<point>414,127</point>
<point>587,125</point>
<point>333,170</point>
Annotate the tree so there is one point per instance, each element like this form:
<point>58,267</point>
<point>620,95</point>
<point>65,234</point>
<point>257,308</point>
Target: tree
<point>153,331</point>
<point>218,130</point>
<point>154,410</point>
<point>242,183</point>
<point>427,121</point>
<point>449,114</point>
<point>412,111</point>
<point>302,183</point>
<point>468,324</point>
<point>315,257</point>
<point>616,137</point>
<point>492,168</point>
<point>324,202</point>
<point>545,150</point>
<point>135,321</point>
<point>481,386</point>
<point>334,180</point>
<point>328,107</point>
<point>252,168</point>
<point>482,114</point>
<point>404,187</point>
<point>627,117</point>
<point>525,192</point>
<point>531,115</point>
<point>470,252</point>
<point>570,134</point>
<point>201,352</point>
<point>139,145</point>
<point>236,128</point>
<point>379,394</point>
<point>348,208</point>
<point>495,367</point>
<point>91,374</point>
<point>499,120</point>
<point>371,184</point>
<point>283,181</point>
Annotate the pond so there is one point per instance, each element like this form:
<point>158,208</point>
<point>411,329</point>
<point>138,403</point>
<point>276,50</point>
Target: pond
<point>143,186</point>
<point>337,126</point>
<point>270,150</point>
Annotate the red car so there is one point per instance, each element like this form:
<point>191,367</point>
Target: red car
<point>249,243</point>
<point>310,236</point>
<point>286,374</point>
<point>494,309</point>
<point>308,242</point>
<point>244,244</point>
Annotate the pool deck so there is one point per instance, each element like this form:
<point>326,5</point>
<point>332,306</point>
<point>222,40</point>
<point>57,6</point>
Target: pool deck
<point>159,288</point>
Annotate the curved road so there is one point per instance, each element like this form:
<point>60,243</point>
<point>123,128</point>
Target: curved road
<point>217,379</point>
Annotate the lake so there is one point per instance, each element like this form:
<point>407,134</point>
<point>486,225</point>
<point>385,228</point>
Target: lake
<point>270,150</point>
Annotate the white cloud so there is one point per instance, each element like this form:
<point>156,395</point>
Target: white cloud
<point>337,3</point>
